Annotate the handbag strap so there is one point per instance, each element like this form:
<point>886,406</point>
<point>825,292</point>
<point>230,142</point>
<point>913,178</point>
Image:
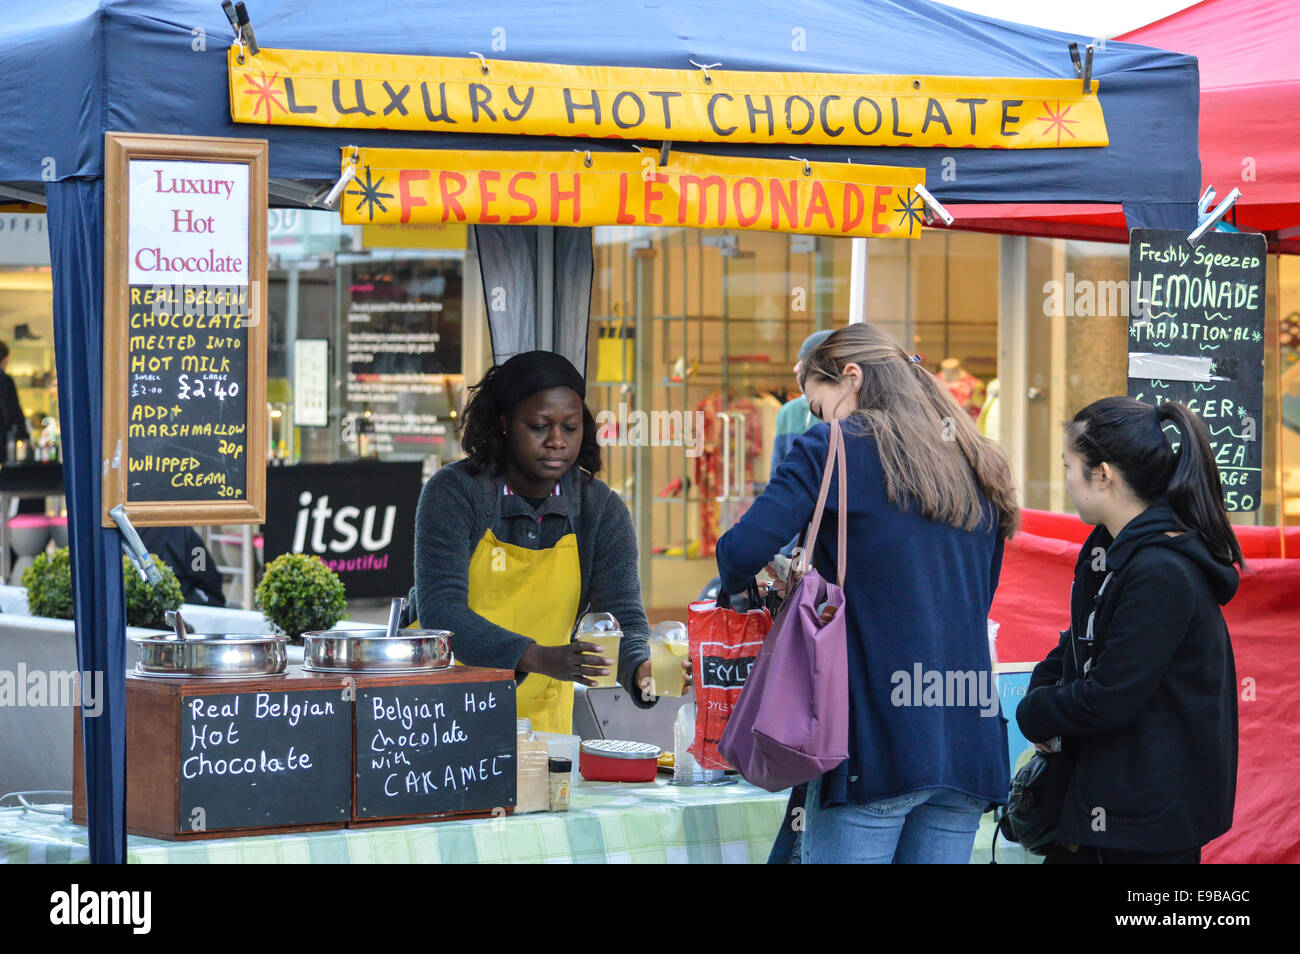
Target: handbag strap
<point>834,455</point>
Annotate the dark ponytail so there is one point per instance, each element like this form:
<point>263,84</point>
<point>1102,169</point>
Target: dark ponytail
<point>1130,436</point>
<point>1195,491</point>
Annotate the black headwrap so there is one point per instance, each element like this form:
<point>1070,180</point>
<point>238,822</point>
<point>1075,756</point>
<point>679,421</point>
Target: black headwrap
<point>532,371</point>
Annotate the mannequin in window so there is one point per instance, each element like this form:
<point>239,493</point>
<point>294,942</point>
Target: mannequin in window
<point>990,419</point>
<point>966,389</point>
<point>12,420</point>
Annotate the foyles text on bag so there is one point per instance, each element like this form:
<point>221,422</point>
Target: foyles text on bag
<point>724,644</point>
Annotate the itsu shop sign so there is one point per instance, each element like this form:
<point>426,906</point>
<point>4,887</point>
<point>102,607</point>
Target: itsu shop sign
<point>357,516</point>
<point>185,329</point>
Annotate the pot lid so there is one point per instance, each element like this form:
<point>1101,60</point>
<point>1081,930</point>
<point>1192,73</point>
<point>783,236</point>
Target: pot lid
<point>242,639</point>
<point>375,634</point>
<point>619,749</point>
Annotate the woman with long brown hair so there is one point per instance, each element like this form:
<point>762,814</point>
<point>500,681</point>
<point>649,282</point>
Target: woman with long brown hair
<point>930,504</point>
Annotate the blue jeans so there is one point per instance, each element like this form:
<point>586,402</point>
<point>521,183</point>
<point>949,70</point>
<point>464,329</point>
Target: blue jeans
<point>787,849</point>
<point>932,826</point>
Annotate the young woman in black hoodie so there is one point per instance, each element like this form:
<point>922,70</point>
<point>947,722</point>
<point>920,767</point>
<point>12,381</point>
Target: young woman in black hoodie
<point>1140,694</point>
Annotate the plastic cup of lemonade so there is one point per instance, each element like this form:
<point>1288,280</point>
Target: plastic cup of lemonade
<point>669,648</point>
<point>602,629</point>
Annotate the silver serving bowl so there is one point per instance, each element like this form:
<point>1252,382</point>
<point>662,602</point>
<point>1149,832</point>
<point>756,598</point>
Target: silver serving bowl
<point>210,656</point>
<point>373,650</point>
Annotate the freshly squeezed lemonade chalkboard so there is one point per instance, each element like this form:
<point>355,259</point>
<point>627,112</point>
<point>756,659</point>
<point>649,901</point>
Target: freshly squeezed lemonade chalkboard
<point>1198,337</point>
<point>185,329</point>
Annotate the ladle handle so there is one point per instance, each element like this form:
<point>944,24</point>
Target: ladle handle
<point>134,547</point>
<point>395,615</point>
<point>174,620</point>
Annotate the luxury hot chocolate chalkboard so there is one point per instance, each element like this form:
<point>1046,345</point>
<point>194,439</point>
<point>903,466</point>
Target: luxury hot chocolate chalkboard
<point>185,329</point>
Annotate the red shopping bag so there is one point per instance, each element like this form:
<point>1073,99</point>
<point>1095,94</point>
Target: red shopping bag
<point>724,646</point>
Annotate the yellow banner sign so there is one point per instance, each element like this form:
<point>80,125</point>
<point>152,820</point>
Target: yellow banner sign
<point>577,188</point>
<point>449,236</point>
<point>461,94</point>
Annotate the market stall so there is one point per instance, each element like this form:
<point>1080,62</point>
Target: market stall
<point>137,67</point>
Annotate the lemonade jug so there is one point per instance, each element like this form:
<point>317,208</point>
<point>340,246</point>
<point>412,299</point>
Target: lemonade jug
<point>602,629</point>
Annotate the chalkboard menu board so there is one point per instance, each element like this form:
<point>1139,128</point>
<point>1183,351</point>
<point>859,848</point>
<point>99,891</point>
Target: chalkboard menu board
<point>185,329</point>
<point>435,748</point>
<point>258,759</point>
<point>187,401</point>
<point>1196,336</point>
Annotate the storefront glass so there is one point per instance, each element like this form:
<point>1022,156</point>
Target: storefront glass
<point>687,322</point>
<point>27,320</point>
<point>1286,302</point>
<point>370,327</point>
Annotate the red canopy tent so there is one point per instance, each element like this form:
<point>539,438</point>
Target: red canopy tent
<point>1250,85</point>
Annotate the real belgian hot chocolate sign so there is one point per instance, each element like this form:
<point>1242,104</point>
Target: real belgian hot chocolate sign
<point>185,335</point>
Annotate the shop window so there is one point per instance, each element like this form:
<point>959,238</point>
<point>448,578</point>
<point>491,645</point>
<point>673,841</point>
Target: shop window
<point>392,321</point>
<point>938,297</point>
<point>1285,305</point>
<point>27,327</point>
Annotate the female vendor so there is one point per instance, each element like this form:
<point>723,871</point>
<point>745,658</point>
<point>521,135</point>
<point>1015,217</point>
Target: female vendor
<point>516,542</point>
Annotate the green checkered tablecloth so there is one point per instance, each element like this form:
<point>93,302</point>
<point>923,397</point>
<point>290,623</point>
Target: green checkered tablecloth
<point>654,823</point>
<point>607,823</point>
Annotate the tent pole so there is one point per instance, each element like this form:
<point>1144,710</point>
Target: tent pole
<point>858,281</point>
<point>75,210</point>
<point>545,311</point>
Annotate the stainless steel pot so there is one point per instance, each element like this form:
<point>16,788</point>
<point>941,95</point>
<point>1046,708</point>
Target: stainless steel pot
<point>373,650</point>
<point>178,655</point>
<point>210,656</point>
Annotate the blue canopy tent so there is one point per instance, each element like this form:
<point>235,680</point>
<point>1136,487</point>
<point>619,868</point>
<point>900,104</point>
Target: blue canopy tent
<point>71,70</point>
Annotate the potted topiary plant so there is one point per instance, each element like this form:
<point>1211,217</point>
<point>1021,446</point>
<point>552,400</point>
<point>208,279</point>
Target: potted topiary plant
<point>48,581</point>
<point>299,594</point>
<point>147,603</point>
<point>49,590</point>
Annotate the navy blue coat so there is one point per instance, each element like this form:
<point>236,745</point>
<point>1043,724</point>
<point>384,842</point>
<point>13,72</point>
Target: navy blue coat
<point>918,595</point>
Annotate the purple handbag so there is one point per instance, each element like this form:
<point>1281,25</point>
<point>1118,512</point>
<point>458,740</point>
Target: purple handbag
<point>791,722</point>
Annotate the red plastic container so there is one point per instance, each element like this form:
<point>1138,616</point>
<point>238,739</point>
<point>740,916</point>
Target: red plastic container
<point>613,760</point>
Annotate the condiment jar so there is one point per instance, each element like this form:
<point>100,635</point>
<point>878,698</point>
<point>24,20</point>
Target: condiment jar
<point>561,778</point>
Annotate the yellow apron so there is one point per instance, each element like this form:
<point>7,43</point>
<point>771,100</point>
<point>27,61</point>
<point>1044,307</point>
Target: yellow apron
<point>534,593</point>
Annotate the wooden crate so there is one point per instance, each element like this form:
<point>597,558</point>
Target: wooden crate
<point>456,676</point>
<point>156,749</point>
<point>154,721</point>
